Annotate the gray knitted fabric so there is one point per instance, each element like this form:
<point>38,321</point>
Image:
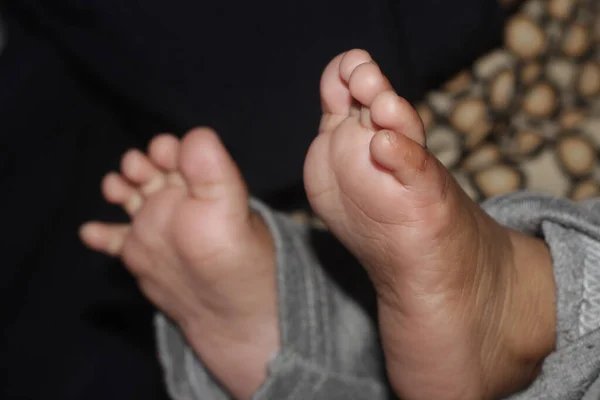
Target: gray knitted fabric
<point>329,343</point>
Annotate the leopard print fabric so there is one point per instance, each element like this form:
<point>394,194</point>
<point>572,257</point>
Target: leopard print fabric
<point>526,116</point>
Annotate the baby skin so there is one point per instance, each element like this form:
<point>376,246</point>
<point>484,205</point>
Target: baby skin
<point>197,252</point>
<point>466,306</point>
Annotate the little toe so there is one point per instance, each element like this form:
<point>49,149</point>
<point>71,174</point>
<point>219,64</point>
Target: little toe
<point>209,170</point>
<point>335,96</point>
<point>409,162</point>
<point>390,111</point>
<point>106,238</point>
<point>117,190</point>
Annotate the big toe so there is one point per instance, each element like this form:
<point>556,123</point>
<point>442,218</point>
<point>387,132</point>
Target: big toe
<point>209,171</point>
<point>399,145</point>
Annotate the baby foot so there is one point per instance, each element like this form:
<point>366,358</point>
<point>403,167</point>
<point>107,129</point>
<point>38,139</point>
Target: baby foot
<point>197,252</point>
<point>447,276</point>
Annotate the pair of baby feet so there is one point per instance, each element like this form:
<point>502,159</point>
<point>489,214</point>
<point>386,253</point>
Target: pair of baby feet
<point>456,319</point>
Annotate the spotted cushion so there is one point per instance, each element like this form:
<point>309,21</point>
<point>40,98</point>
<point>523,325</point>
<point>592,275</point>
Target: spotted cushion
<point>526,116</point>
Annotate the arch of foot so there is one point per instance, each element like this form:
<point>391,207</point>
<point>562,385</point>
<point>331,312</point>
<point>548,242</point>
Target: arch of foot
<point>526,116</point>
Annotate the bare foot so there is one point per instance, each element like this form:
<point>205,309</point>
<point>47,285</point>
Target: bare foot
<point>459,315</point>
<point>198,253</point>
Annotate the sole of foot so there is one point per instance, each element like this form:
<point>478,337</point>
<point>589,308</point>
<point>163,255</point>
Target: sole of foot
<point>444,271</point>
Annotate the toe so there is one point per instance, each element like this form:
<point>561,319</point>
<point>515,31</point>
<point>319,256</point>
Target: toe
<point>163,151</point>
<point>335,96</point>
<point>390,111</point>
<point>366,82</point>
<point>336,100</point>
<point>117,190</point>
<point>106,238</point>
<point>138,169</point>
<point>409,162</point>
<point>350,61</point>
<point>209,171</point>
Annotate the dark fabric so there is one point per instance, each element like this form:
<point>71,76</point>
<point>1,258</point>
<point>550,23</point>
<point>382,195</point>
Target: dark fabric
<point>81,81</point>
<point>249,69</point>
<point>73,324</point>
<point>443,37</point>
